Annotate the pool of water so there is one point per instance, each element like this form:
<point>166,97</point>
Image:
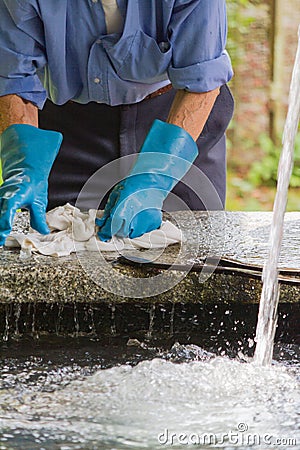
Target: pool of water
<point>124,393</point>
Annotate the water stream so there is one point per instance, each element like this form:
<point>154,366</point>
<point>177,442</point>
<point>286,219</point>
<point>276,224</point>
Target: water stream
<point>267,317</point>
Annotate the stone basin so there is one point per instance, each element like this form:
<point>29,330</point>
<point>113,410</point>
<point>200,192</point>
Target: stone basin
<point>45,283</point>
<point>240,236</point>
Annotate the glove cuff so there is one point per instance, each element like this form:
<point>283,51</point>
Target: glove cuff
<point>168,151</point>
<point>35,145</point>
<point>170,139</point>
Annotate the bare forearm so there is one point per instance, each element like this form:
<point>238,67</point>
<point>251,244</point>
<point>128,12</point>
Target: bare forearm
<point>14,110</point>
<point>190,110</point>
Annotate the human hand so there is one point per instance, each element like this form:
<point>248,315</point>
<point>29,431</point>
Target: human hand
<point>27,154</point>
<point>135,204</point>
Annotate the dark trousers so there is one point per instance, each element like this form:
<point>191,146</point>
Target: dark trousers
<point>96,134</point>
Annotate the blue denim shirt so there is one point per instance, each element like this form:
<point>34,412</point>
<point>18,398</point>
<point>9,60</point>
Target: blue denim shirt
<point>60,49</point>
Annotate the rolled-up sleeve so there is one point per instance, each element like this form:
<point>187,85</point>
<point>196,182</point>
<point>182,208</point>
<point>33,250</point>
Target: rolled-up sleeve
<point>197,34</point>
<point>22,53</point>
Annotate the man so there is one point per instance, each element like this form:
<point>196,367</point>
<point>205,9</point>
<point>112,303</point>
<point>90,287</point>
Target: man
<point>109,69</point>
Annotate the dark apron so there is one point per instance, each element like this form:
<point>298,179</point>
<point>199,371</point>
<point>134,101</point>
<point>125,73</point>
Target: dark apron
<point>96,134</point>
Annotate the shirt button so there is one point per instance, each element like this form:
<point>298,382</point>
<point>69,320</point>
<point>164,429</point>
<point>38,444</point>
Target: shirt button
<point>97,80</point>
<point>95,1</point>
<point>98,41</point>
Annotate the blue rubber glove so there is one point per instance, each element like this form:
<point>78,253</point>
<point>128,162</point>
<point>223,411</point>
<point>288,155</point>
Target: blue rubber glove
<point>27,154</point>
<point>135,204</point>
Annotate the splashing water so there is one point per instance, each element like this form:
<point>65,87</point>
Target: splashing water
<point>211,401</point>
<point>267,316</point>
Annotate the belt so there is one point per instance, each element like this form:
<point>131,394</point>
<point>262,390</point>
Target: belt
<point>160,91</point>
<point>154,94</point>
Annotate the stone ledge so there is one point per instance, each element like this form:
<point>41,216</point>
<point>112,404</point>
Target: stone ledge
<point>242,236</point>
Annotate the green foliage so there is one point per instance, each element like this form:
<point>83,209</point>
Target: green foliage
<point>264,172</point>
<point>239,21</point>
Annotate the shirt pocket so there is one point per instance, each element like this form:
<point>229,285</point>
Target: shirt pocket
<point>140,57</point>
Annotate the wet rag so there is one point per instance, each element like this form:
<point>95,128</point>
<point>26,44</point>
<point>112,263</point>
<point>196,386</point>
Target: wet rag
<point>73,230</point>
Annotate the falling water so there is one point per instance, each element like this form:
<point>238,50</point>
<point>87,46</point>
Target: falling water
<point>33,325</point>
<point>267,317</point>
<point>90,320</point>
<point>151,321</point>
<point>172,319</point>
<point>17,318</point>
<point>113,327</point>
<point>76,320</point>
<point>6,329</point>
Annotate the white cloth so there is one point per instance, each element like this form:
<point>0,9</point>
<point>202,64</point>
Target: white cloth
<point>113,18</point>
<point>73,230</point>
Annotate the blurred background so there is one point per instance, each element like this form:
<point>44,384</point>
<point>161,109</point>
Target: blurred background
<point>262,42</point>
